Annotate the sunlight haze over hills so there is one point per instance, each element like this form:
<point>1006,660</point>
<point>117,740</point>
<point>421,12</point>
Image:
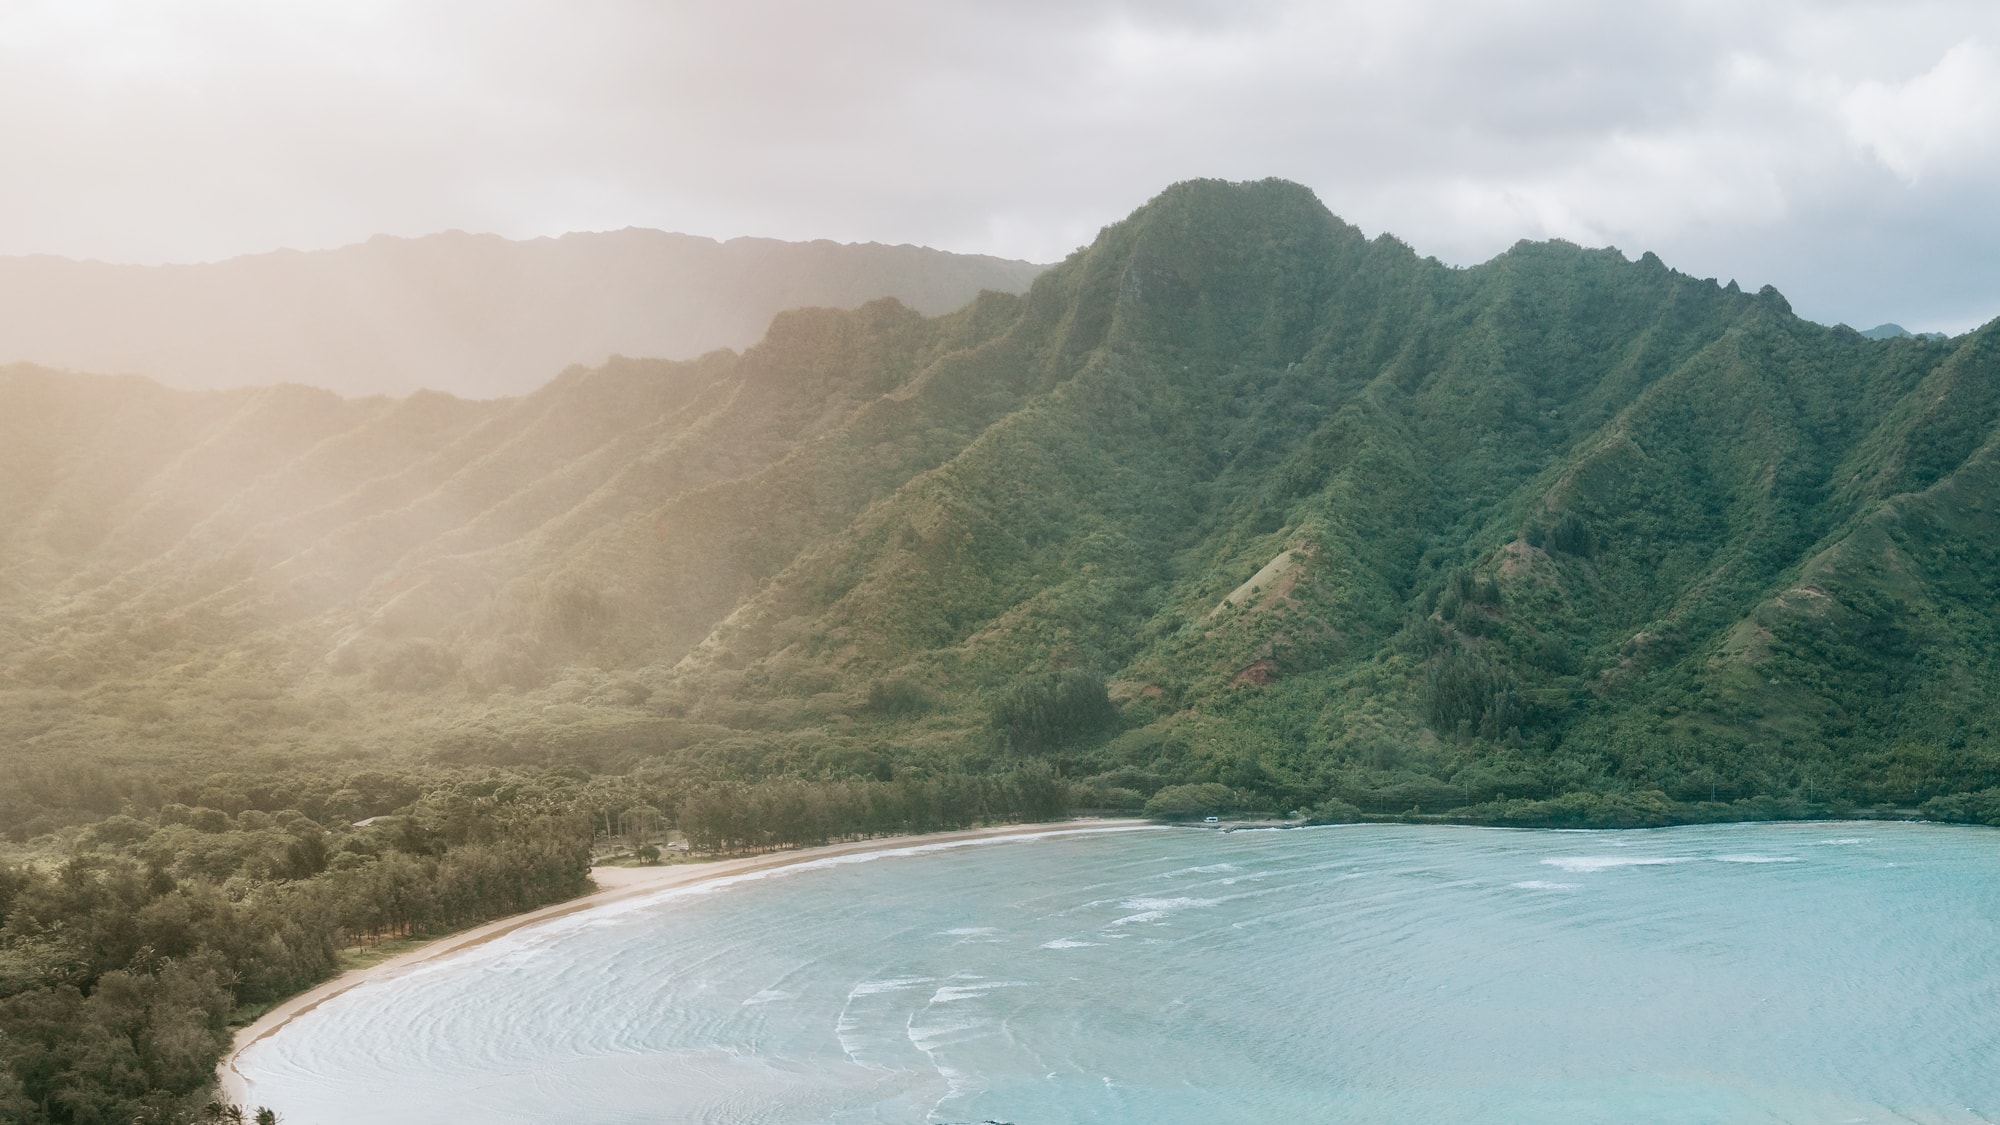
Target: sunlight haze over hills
<point>475,315</point>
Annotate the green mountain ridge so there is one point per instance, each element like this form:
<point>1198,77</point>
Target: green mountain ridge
<point>1233,508</point>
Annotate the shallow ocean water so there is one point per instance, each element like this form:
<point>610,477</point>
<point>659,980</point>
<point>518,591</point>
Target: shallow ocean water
<point>1845,972</point>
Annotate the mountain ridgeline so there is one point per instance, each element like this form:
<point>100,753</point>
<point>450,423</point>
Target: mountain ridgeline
<point>473,314</point>
<point>1235,509</point>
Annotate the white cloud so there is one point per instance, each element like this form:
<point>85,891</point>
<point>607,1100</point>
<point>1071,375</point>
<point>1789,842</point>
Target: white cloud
<point>1948,116</point>
<point>1844,151</point>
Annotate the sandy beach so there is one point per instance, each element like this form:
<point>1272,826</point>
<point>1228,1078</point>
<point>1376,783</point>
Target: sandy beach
<point>615,884</point>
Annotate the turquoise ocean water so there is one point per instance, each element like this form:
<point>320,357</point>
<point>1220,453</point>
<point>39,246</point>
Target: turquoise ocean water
<point>1744,973</point>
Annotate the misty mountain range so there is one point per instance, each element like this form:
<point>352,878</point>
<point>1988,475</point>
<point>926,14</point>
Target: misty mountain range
<point>473,314</point>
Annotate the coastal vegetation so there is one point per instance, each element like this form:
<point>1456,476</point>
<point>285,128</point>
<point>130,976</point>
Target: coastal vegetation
<point>124,962</point>
<point>128,954</point>
<point>1234,512</point>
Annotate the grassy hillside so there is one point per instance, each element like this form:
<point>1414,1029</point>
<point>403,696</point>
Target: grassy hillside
<point>1235,497</point>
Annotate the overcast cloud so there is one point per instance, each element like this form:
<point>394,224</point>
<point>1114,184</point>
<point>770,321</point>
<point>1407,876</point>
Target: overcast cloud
<point>1848,153</point>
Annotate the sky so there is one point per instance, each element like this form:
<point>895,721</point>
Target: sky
<point>1846,152</point>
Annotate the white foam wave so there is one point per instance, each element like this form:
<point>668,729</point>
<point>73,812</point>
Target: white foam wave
<point>1544,885</point>
<point>952,993</point>
<point>930,1035</point>
<point>971,931</point>
<point>1756,859</point>
<point>1154,909</point>
<point>1587,863</point>
<point>1167,903</point>
<point>896,984</point>
<point>928,1038</point>
<point>1209,869</point>
<point>1069,943</point>
<point>767,996</point>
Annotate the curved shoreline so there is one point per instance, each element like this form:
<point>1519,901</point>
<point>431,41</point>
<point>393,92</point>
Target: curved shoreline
<point>615,884</point>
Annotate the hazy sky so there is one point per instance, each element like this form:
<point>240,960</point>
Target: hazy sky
<point>1848,153</point>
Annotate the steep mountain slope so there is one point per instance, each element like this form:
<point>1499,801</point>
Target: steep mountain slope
<point>1233,498</point>
<point>475,315</point>
<point>1559,513</point>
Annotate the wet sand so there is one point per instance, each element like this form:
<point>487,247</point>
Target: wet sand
<point>615,884</point>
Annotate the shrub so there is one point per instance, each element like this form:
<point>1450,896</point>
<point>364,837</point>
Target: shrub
<point>415,665</point>
<point>897,697</point>
<point>1466,694</point>
<point>1043,713</point>
<point>1333,810</point>
<point>1185,802</point>
<point>1571,535</point>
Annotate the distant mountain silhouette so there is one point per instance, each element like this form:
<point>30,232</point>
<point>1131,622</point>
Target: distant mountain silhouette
<point>1896,332</point>
<point>473,314</point>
